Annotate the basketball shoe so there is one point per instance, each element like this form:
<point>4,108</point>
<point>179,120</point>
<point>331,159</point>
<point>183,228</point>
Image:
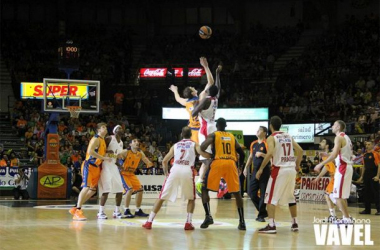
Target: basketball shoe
<point>268,230</point>
<point>128,214</point>
<point>208,221</point>
<point>72,210</point>
<point>189,226</point>
<point>140,213</point>
<point>79,215</point>
<point>102,216</point>
<point>147,225</point>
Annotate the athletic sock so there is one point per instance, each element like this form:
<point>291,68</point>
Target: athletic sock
<point>101,209</point>
<point>189,217</point>
<point>151,216</point>
<point>137,209</point>
<point>241,213</point>
<point>206,207</point>
<point>117,209</point>
<point>271,222</point>
<point>332,212</point>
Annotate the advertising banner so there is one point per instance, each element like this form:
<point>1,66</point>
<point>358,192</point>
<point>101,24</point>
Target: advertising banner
<point>35,90</point>
<point>313,192</point>
<point>52,175</point>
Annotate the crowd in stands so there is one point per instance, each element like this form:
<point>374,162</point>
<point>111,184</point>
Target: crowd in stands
<point>336,77</point>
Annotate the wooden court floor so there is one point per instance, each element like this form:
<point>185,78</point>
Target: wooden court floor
<point>48,225</point>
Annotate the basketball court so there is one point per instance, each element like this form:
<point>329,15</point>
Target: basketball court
<point>45,224</point>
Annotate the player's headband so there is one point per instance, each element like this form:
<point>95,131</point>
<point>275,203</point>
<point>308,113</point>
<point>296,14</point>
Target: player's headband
<point>114,129</point>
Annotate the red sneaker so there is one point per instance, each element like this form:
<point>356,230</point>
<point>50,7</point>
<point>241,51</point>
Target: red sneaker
<point>189,226</point>
<point>268,230</point>
<point>147,225</point>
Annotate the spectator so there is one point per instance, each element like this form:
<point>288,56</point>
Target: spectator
<point>15,162</point>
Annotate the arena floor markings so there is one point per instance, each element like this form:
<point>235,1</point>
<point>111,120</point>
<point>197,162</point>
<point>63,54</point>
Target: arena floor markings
<point>48,225</point>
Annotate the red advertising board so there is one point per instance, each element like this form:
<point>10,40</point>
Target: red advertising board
<point>153,72</point>
<point>161,72</point>
<point>196,72</point>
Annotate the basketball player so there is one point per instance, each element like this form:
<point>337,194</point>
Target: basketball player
<point>95,155</point>
<point>130,181</point>
<point>225,147</point>
<point>191,95</point>
<point>258,150</point>
<point>110,178</point>
<point>206,109</point>
<point>181,174</point>
<point>280,188</point>
<point>326,145</point>
<point>343,163</point>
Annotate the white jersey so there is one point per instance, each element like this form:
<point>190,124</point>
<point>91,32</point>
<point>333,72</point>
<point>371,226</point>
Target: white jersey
<point>208,115</point>
<point>345,153</point>
<point>184,153</point>
<point>283,155</point>
<point>115,146</point>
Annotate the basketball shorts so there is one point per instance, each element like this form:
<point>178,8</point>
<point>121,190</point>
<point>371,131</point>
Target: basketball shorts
<point>195,134</point>
<point>280,188</point>
<point>179,177</point>
<point>204,131</point>
<point>110,179</point>
<point>330,187</point>
<point>131,182</point>
<point>90,175</point>
<point>227,170</point>
<point>342,181</point>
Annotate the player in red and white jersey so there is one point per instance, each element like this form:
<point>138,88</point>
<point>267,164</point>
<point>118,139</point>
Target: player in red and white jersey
<point>181,174</point>
<point>342,153</point>
<point>280,188</point>
<point>206,110</point>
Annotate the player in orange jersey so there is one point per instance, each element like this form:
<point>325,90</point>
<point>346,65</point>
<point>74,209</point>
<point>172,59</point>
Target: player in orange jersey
<point>326,145</point>
<point>190,95</point>
<point>225,149</point>
<point>130,181</point>
<point>91,168</point>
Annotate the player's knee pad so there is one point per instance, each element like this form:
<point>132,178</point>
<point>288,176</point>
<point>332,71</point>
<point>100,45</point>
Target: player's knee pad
<point>292,204</point>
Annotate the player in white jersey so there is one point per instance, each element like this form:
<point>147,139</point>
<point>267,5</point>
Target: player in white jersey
<point>280,188</point>
<point>110,178</point>
<point>181,174</point>
<point>342,153</point>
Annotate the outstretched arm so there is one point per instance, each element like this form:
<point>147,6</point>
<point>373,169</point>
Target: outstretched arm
<point>177,97</point>
<point>210,78</point>
<point>217,82</point>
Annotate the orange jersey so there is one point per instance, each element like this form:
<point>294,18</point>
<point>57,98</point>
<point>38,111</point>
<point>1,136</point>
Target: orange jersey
<point>330,166</point>
<point>131,162</point>
<point>224,146</point>
<point>100,150</point>
<point>193,120</point>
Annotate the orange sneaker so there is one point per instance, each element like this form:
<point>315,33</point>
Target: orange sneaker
<point>79,215</point>
<point>72,210</point>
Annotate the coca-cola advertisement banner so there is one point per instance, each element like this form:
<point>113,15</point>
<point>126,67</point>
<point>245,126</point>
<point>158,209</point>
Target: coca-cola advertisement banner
<point>153,72</point>
<point>178,72</point>
<point>161,72</point>
<point>196,72</point>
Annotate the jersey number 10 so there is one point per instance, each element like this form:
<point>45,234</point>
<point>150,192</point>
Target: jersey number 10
<point>226,148</point>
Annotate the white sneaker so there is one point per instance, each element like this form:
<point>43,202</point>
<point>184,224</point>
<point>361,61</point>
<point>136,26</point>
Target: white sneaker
<point>118,215</point>
<point>102,216</point>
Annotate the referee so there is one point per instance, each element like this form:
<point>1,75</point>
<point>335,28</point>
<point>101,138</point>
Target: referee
<point>258,151</point>
<point>370,177</point>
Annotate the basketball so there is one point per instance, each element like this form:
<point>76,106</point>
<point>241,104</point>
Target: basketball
<point>205,32</point>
